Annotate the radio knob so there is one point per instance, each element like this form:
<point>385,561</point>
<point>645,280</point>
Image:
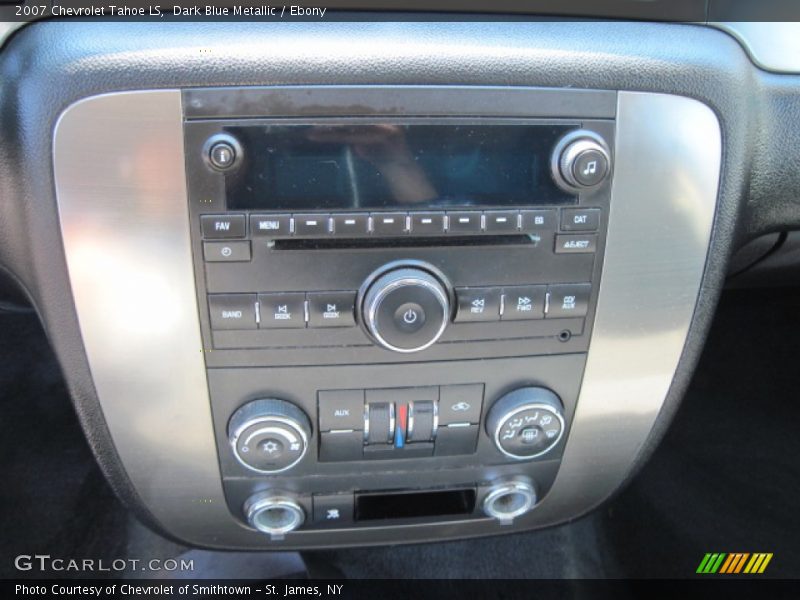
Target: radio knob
<point>269,435</point>
<point>406,309</point>
<point>581,161</point>
<point>526,423</point>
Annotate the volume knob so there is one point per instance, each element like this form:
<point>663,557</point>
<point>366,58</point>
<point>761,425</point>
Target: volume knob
<point>406,309</point>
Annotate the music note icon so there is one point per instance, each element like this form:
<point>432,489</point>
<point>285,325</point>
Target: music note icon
<point>591,168</point>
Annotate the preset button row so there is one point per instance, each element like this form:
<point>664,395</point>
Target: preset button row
<point>234,226</point>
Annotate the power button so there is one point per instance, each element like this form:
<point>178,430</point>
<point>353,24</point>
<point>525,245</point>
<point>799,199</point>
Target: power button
<point>409,317</point>
<point>405,309</point>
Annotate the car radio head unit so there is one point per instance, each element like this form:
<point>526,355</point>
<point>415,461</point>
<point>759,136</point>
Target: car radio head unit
<point>435,276</point>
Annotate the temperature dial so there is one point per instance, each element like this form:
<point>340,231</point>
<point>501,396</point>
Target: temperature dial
<point>269,435</point>
<point>526,423</point>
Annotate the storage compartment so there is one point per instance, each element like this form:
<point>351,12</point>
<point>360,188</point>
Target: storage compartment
<point>414,505</point>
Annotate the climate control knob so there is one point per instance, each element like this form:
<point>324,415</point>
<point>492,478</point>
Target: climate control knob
<point>526,423</point>
<point>581,161</point>
<point>405,309</point>
<point>269,435</point>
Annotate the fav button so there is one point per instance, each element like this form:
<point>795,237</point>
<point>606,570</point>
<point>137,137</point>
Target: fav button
<point>223,226</point>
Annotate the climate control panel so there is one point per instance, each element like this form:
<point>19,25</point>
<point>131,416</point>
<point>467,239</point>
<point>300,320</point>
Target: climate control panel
<point>399,423</point>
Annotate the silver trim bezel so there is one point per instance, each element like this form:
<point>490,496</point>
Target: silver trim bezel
<point>148,376</point>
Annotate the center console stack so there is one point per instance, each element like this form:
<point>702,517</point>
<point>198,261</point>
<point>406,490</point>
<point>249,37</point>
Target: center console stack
<point>397,290</point>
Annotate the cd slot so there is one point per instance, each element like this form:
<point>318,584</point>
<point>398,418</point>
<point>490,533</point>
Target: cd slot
<point>405,242</point>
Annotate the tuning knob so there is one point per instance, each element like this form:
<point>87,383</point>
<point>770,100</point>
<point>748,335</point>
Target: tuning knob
<point>269,435</point>
<point>581,161</point>
<point>526,423</point>
<point>406,309</point>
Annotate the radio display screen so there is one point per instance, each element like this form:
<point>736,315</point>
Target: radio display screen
<point>290,167</point>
